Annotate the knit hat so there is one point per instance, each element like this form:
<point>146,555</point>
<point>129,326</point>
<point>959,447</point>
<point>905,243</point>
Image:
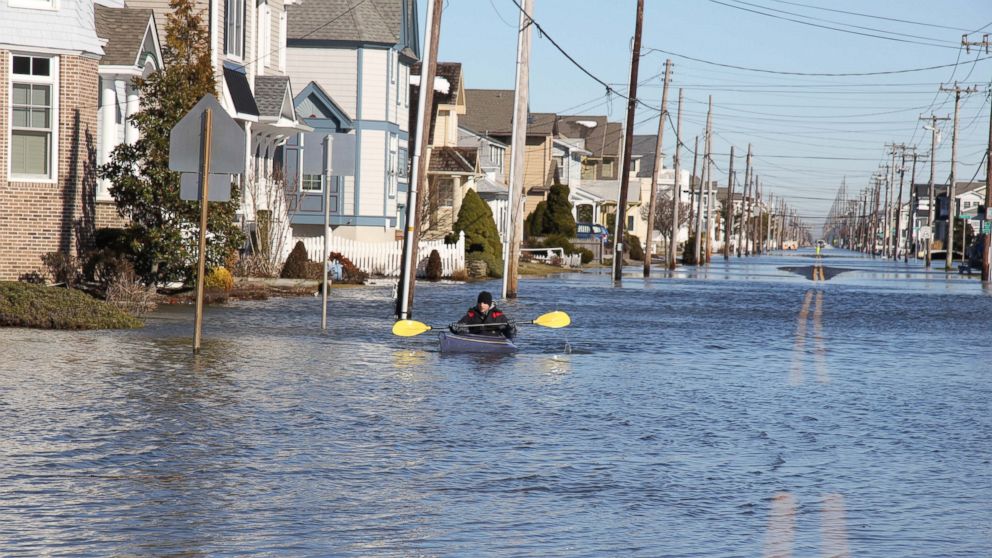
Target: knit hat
<point>485,297</point>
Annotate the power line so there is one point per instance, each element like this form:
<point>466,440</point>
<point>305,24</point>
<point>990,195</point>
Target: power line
<point>779,72</point>
<point>874,16</point>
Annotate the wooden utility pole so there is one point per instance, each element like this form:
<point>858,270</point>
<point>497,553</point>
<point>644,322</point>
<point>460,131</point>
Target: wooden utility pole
<point>708,171</point>
<point>931,211</point>
<point>747,180</point>
<point>729,225</point>
<point>914,202</point>
<point>628,146</point>
<point>987,253</point>
<point>659,161</point>
<point>676,189</point>
<point>697,249</point>
<point>206,135</point>
<point>692,191</point>
<point>518,145</point>
<point>987,247</point>
<point>951,202</point>
<point>420,163</point>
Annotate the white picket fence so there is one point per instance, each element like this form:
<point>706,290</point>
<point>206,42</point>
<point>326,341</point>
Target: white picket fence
<point>385,258</point>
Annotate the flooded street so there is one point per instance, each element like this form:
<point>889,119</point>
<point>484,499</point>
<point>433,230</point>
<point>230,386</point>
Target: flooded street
<point>743,409</point>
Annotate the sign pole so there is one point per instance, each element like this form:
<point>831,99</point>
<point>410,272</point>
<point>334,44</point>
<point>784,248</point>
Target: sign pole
<point>327,243</point>
<point>207,126</point>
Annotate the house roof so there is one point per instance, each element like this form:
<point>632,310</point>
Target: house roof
<point>490,111</point>
<point>389,22</point>
<point>461,160</point>
<point>451,72</point>
<point>124,30</point>
<point>270,93</point>
<point>241,95</point>
<point>489,186</point>
<point>603,138</point>
<point>644,146</point>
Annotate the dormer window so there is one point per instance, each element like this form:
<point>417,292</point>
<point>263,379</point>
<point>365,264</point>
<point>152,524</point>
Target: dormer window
<point>234,28</point>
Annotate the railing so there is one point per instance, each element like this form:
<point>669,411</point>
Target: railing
<point>570,260</point>
<point>386,258</point>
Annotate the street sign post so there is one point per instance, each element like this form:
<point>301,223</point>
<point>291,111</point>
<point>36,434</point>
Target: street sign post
<point>925,233</point>
<point>339,160</point>
<point>206,140</point>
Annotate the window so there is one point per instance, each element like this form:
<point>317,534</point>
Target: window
<point>403,163</point>
<point>394,161</point>
<point>560,169</point>
<point>630,222</point>
<point>263,53</point>
<point>312,183</point>
<point>589,169</point>
<point>497,154</point>
<point>33,116</point>
<point>234,28</point>
<point>34,4</point>
<point>608,170</point>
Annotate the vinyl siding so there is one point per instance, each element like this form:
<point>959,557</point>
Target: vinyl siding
<point>334,70</point>
<point>373,186</point>
<point>403,108</point>
<point>375,83</point>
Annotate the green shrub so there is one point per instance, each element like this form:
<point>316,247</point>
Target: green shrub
<point>495,266</point>
<point>552,216</point>
<point>633,246</point>
<point>296,264</point>
<point>434,268</point>
<point>587,255</point>
<point>64,268</point>
<point>476,220</point>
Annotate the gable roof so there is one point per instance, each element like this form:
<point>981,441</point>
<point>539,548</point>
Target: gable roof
<point>490,111</point>
<point>451,72</point>
<point>387,22</point>
<point>324,102</point>
<point>124,30</point>
<point>462,160</point>
<point>270,94</point>
<point>603,139</point>
<point>644,146</point>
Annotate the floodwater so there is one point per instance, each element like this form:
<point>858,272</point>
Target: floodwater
<point>738,410</point>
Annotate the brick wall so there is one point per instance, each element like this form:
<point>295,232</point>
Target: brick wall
<point>36,218</point>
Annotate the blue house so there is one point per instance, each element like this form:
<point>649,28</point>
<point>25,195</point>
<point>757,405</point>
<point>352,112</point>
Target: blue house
<point>353,76</point>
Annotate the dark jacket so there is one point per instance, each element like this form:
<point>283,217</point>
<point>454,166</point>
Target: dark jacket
<point>495,322</point>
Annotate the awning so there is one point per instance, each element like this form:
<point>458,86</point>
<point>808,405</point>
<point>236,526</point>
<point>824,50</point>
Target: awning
<point>241,96</point>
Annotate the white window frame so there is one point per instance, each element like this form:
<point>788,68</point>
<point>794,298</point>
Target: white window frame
<point>229,48</point>
<point>497,154</point>
<point>303,184</point>
<point>393,172</point>
<point>52,79</point>
<point>49,5</point>
<point>264,37</point>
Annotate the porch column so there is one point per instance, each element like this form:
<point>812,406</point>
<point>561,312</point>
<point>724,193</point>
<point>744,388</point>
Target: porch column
<point>130,108</point>
<point>108,117</point>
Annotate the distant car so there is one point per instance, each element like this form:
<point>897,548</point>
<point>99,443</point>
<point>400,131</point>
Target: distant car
<point>590,231</point>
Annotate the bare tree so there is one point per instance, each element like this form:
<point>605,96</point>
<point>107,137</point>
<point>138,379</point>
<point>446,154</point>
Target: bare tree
<point>663,216</point>
<point>266,223</point>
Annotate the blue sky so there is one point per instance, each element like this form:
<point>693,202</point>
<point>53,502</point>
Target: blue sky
<point>844,120</point>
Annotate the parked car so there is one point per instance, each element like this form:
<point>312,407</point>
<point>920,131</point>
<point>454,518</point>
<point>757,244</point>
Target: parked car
<point>591,231</point>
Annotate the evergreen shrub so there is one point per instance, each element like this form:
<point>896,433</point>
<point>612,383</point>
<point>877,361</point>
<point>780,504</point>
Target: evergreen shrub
<point>296,264</point>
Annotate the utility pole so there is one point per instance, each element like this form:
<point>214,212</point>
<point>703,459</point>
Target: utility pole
<point>914,202</point>
<point>628,146</point>
<point>518,145</point>
<point>874,217</point>
<point>692,190</point>
<point>658,164</point>
<point>729,225</point>
<point>747,180</point>
<point>699,206</point>
<point>418,183</point>
<point>951,201</point>
<point>931,211</point>
<point>708,171</point>
<point>987,248</point>
<point>890,179</point>
<point>677,188</point>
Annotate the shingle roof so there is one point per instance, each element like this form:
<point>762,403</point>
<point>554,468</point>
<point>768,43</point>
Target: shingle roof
<point>270,92</point>
<point>371,21</point>
<point>124,30</point>
<point>603,140</point>
<point>450,71</point>
<point>490,111</point>
<point>644,145</point>
<point>454,159</point>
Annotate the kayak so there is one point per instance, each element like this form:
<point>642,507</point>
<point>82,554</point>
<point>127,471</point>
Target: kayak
<point>469,343</point>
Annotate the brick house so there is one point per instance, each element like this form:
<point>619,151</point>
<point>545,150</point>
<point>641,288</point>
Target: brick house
<point>49,86</point>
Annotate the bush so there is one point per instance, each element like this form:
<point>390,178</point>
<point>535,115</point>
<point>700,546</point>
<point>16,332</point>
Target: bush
<point>495,266</point>
<point>127,292</point>
<point>296,264</point>
<point>434,269</point>
<point>689,251</point>
<point>475,218</point>
<point>219,278</point>
<point>64,268</point>
<point>587,255</point>
<point>633,246</point>
<point>459,275</point>
<point>24,305</point>
<point>552,216</point>
<point>350,272</point>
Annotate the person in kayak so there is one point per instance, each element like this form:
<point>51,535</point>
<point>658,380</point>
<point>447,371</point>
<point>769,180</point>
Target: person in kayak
<point>488,319</point>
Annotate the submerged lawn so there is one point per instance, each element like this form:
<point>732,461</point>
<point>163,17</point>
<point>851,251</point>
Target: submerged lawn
<point>26,305</point>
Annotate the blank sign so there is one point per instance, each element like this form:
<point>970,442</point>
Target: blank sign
<point>218,190</point>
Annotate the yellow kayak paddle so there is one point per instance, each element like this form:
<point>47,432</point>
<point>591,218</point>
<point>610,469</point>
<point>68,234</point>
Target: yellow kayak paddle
<point>554,320</point>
